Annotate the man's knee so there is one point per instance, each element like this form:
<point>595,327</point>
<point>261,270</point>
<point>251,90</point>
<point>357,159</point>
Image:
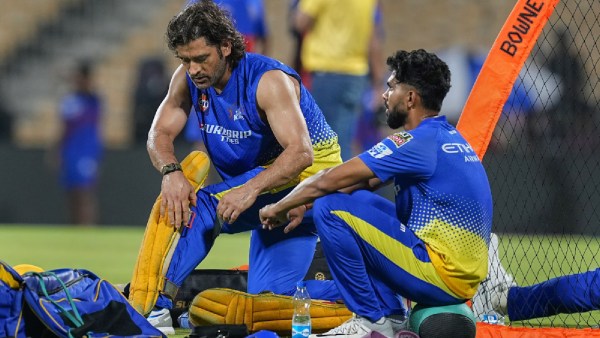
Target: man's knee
<point>322,206</point>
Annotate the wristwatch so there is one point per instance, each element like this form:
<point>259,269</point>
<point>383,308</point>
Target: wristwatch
<point>169,168</point>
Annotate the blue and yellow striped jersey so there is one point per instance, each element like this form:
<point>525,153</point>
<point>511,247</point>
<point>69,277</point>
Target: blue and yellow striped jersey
<point>237,139</point>
<point>442,195</point>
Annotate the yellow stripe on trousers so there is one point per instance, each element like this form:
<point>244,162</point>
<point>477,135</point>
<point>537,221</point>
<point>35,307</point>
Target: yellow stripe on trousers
<point>395,251</point>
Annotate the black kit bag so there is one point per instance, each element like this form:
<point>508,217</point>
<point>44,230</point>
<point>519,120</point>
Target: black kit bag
<point>202,279</point>
<point>318,270</point>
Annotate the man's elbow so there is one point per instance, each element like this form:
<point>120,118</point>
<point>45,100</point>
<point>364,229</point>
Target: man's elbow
<point>305,158</point>
<point>150,141</point>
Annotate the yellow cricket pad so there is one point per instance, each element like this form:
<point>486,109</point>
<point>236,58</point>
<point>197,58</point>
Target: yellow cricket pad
<point>24,268</point>
<point>265,311</point>
<point>159,242</point>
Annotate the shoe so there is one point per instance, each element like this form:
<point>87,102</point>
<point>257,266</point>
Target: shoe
<point>358,327</point>
<point>496,272</point>
<point>490,301</point>
<point>161,319</point>
<point>398,322</point>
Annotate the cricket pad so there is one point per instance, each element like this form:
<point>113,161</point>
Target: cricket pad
<point>159,242</point>
<point>265,311</point>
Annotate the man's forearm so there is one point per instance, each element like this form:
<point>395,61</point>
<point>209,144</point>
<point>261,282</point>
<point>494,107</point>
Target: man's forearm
<point>287,167</point>
<point>161,150</point>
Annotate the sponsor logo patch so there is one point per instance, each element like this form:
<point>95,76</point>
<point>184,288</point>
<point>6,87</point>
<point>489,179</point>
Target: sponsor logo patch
<point>203,102</point>
<point>380,150</point>
<point>235,114</point>
<point>400,138</point>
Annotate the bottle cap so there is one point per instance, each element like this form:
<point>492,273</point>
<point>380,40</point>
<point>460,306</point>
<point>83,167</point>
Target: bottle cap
<point>301,284</point>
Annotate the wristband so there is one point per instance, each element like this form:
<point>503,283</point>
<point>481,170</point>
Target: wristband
<point>169,168</point>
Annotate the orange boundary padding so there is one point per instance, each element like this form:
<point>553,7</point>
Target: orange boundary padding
<point>500,70</point>
<point>497,331</point>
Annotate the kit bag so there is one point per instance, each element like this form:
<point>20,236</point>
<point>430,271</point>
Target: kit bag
<point>11,302</point>
<point>66,303</point>
<point>235,279</point>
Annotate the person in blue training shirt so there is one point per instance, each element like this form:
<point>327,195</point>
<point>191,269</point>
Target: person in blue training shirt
<point>80,146</point>
<point>263,133</point>
<point>431,246</point>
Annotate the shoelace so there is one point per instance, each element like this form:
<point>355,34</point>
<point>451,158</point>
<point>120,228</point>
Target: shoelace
<point>351,326</point>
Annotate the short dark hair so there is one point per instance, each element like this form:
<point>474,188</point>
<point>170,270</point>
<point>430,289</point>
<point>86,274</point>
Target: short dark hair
<point>424,71</point>
<point>205,19</point>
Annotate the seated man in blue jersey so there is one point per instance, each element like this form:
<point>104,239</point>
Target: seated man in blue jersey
<point>263,133</point>
<point>430,246</point>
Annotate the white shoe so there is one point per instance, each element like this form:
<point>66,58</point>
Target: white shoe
<point>490,301</point>
<point>496,271</point>
<point>161,319</point>
<point>358,327</point>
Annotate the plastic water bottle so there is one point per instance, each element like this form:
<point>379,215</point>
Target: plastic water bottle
<point>184,320</point>
<point>493,317</point>
<point>301,326</point>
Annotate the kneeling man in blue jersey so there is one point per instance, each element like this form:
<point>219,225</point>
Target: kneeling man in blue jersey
<point>264,134</point>
<point>431,246</point>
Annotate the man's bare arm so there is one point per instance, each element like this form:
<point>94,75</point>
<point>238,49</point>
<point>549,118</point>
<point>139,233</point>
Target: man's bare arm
<point>277,95</point>
<point>278,99</point>
<point>169,120</point>
<point>177,193</point>
<point>302,21</point>
<point>349,174</point>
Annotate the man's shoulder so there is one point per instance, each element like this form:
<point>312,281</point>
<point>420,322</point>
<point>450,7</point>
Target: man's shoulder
<point>256,65</point>
<point>257,60</point>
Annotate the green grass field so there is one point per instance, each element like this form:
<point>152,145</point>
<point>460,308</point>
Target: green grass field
<point>110,252</point>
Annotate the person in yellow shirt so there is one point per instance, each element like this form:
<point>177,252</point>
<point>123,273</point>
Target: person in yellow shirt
<point>341,48</point>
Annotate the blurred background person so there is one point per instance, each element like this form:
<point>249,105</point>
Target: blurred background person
<point>151,87</point>
<point>296,38</point>
<point>79,151</point>
<point>5,123</point>
<point>340,48</point>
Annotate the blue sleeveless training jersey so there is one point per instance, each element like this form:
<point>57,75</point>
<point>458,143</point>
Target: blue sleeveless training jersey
<point>237,140</point>
<point>454,220</point>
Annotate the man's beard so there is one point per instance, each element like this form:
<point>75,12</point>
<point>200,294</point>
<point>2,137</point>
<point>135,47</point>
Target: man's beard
<point>220,70</point>
<point>217,75</point>
<point>396,119</point>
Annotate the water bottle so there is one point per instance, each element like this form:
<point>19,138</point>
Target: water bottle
<point>301,326</point>
<point>184,320</point>
<point>493,317</point>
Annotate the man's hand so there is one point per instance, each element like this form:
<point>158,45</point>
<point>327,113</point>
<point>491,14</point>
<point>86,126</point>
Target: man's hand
<point>236,201</point>
<point>177,195</point>
<point>271,219</point>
